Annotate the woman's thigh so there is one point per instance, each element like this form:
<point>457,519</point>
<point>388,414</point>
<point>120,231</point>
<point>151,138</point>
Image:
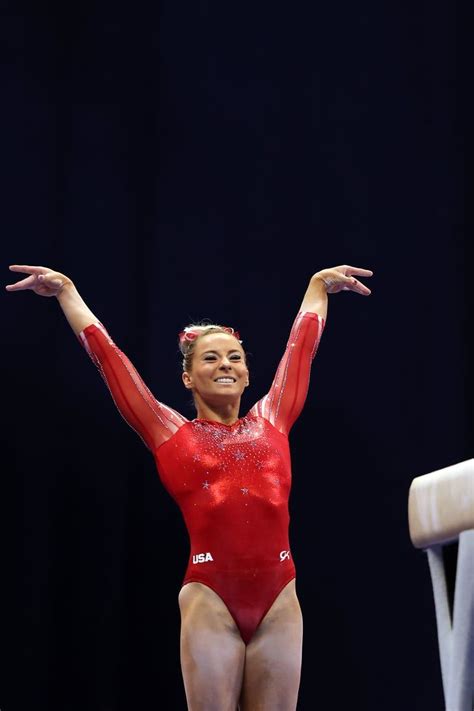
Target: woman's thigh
<point>273,657</point>
<point>212,651</point>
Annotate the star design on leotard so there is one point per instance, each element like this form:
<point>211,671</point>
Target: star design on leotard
<point>244,491</point>
<point>205,484</point>
<point>196,457</point>
<point>238,454</point>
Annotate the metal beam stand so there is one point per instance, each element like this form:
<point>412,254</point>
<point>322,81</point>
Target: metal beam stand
<point>456,634</point>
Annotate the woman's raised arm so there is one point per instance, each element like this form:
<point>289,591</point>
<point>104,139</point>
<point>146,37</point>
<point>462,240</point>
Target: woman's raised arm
<point>47,282</point>
<point>285,399</point>
<point>153,421</point>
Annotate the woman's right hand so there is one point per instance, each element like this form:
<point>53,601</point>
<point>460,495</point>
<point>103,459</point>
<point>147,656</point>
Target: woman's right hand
<point>42,280</point>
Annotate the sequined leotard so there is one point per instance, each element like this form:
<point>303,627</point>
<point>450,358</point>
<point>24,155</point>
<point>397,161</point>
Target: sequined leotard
<point>231,482</point>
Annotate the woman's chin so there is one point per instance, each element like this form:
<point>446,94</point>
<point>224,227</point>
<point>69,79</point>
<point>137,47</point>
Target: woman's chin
<point>221,395</point>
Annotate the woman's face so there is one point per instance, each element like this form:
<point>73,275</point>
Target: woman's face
<point>218,368</point>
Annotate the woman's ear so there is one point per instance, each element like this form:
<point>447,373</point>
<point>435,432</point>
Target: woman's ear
<point>187,380</point>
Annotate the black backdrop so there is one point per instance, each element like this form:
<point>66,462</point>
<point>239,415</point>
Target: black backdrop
<point>190,160</point>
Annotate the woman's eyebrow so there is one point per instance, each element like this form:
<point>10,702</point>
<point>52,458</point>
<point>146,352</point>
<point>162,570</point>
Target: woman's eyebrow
<point>232,350</point>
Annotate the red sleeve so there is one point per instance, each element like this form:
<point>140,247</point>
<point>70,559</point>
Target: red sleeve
<point>151,420</point>
<point>286,397</point>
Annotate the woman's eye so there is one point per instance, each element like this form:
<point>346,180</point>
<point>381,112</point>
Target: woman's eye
<point>211,358</point>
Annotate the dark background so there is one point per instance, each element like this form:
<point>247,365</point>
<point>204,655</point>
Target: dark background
<point>197,160</point>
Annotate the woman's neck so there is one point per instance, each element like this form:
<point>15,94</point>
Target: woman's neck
<point>226,414</point>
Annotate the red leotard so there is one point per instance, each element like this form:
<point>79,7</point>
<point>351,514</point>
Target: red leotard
<point>231,482</point>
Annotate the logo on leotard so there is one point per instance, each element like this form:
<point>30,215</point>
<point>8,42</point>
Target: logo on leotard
<point>284,555</point>
<point>202,558</point>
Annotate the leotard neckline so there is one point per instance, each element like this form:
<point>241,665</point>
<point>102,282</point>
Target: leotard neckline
<point>216,422</point>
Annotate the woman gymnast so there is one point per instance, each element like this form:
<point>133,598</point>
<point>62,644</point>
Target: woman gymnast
<point>241,622</point>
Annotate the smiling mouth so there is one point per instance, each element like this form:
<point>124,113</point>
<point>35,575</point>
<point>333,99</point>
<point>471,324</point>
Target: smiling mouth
<point>228,381</point>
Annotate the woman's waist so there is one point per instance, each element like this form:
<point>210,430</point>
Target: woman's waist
<point>230,559</point>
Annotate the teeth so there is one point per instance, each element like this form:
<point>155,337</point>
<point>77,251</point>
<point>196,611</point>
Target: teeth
<point>225,380</point>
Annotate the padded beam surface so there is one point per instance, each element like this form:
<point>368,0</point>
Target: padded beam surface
<point>441,505</point>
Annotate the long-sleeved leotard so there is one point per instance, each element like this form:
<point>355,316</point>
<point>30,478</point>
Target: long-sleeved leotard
<point>231,482</point>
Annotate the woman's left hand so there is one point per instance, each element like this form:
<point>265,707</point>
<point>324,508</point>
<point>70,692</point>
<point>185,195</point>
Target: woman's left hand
<point>342,279</point>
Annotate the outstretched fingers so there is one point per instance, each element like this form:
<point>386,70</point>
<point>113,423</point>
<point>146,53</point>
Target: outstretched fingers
<point>354,284</point>
<point>25,283</point>
<point>360,288</point>
<point>27,269</point>
<point>359,271</point>
<point>341,278</point>
<point>28,281</point>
